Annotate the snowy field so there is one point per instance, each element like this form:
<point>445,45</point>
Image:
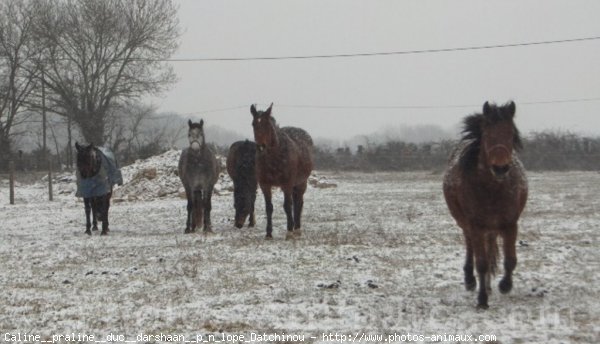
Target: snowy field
<point>379,255</point>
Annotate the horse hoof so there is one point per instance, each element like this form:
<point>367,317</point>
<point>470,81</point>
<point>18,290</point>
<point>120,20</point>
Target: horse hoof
<point>298,232</point>
<point>104,233</point>
<point>470,283</point>
<point>208,232</point>
<point>88,232</point>
<point>505,286</point>
<point>483,306</point>
<point>290,235</point>
<point>94,228</point>
<point>269,237</point>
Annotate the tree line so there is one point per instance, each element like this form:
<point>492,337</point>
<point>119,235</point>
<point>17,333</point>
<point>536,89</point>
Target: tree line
<point>543,151</point>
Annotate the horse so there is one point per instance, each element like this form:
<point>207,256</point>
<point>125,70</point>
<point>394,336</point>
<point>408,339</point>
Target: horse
<point>241,169</point>
<point>283,159</point>
<point>97,173</point>
<point>198,170</point>
<point>485,188</point>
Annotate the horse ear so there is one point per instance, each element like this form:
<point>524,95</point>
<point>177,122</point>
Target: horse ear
<point>77,146</point>
<point>268,112</point>
<point>201,123</point>
<point>190,123</point>
<point>487,108</point>
<point>511,108</point>
<point>253,110</point>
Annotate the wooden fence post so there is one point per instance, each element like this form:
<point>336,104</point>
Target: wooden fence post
<point>50,197</point>
<point>11,178</point>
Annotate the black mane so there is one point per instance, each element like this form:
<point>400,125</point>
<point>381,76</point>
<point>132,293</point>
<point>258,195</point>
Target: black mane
<point>472,131</point>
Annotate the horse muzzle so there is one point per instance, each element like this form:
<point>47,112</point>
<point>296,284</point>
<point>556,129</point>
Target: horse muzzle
<point>499,158</point>
<point>500,172</point>
<point>195,145</point>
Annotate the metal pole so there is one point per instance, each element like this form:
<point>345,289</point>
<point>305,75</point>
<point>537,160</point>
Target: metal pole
<point>11,178</point>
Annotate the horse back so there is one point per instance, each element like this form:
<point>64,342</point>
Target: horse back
<point>304,144</point>
<point>241,162</point>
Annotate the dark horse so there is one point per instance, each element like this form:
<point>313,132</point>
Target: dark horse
<point>198,171</point>
<point>486,190</point>
<point>241,168</point>
<point>284,159</point>
<point>97,173</point>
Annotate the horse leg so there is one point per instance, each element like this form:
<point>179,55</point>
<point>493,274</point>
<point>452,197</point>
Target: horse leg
<point>197,213</point>
<point>88,208</point>
<point>105,201</point>
<point>298,196</point>
<point>93,202</point>
<point>482,266</point>
<point>207,202</point>
<point>188,219</point>
<point>492,256</point>
<point>269,209</point>
<point>287,206</point>
<point>252,220</point>
<point>470,282</point>
<point>509,239</point>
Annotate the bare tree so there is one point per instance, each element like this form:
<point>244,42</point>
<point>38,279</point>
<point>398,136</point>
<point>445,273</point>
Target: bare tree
<point>100,52</point>
<point>17,75</point>
<point>124,128</point>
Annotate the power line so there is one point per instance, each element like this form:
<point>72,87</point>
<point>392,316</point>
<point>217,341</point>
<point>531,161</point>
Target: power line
<point>401,52</point>
<point>395,107</point>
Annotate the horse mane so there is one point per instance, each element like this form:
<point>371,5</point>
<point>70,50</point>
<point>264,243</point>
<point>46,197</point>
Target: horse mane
<point>472,131</point>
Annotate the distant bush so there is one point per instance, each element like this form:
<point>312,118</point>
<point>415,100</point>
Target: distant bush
<point>553,151</point>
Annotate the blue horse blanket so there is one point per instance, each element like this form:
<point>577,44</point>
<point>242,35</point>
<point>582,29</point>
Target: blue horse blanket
<point>103,182</point>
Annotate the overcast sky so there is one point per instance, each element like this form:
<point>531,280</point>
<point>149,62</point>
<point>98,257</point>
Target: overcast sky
<point>273,28</point>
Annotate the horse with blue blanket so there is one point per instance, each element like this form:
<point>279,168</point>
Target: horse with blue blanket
<point>97,173</point>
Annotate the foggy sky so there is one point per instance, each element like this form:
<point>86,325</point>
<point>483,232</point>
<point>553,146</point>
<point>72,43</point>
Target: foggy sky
<point>217,29</point>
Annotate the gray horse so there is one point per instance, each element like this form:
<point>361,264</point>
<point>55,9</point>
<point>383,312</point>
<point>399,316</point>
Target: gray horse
<point>198,171</point>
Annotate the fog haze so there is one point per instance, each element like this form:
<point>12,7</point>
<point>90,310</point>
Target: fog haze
<point>339,98</point>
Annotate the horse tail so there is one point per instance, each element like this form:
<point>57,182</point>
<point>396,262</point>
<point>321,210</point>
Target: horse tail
<point>492,252</point>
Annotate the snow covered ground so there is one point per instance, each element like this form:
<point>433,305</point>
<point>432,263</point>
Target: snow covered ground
<point>379,255</point>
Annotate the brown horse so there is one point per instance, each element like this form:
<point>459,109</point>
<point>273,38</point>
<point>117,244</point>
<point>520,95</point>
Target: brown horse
<point>486,190</point>
<point>284,159</point>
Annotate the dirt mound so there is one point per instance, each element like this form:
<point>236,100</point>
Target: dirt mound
<point>157,177</point>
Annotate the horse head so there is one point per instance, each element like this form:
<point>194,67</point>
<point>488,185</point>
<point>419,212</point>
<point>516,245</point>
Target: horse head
<point>264,128</point>
<point>88,162</point>
<point>499,137</point>
<point>196,135</point>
